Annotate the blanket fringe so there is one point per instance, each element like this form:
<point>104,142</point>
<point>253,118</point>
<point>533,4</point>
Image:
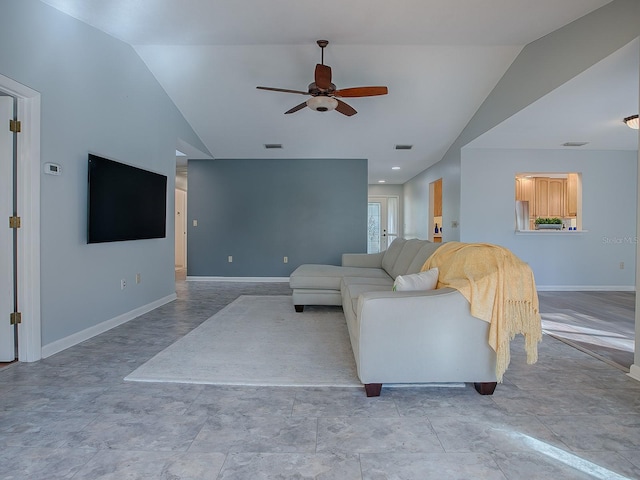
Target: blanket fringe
<point>519,314</point>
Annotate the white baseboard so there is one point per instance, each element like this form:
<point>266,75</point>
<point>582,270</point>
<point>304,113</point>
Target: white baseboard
<point>586,288</point>
<point>634,372</point>
<point>76,338</point>
<point>238,279</point>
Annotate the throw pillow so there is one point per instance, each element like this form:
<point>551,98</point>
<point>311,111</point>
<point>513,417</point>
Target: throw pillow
<point>417,281</point>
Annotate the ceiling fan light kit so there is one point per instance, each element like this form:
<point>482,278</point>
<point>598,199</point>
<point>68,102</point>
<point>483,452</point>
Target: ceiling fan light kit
<point>322,104</point>
<point>632,122</point>
<point>323,92</point>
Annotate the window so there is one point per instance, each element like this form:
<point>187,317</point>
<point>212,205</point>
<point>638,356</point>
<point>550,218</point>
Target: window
<point>544,196</point>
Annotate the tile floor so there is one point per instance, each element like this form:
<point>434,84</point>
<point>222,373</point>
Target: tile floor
<point>570,416</point>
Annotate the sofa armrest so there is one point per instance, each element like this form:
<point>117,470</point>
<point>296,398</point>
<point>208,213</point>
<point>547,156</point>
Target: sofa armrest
<point>366,260</point>
<point>406,337</point>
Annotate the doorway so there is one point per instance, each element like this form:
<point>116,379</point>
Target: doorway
<point>435,211</point>
<point>181,229</point>
<point>382,223</point>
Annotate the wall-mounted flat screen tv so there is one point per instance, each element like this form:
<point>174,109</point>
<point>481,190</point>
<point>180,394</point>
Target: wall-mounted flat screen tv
<point>125,202</point>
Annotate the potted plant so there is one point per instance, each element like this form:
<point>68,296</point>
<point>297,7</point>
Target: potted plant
<point>544,223</point>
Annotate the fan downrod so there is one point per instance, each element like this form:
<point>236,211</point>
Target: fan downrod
<point>322,44</point>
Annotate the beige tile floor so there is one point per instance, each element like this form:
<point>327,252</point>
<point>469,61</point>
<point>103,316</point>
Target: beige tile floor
<point>570,416</point>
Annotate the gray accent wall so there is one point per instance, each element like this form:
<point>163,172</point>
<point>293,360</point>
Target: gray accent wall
<point>96,96</point>
<point>259,211</point>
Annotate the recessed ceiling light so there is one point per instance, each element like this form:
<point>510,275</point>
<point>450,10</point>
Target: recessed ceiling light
<point>382,181</point>
<point>272,145</point>
<point>395,168</point>
<point>404,147</point>
<point>574,144</point>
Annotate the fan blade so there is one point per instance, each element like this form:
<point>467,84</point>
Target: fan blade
<point>285,90</point>
<point>323,76</point>
<point>361,92</point>
<point>296,108</point>
<point>345,109</point>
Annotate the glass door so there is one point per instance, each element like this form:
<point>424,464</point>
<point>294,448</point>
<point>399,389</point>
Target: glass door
<point>382,223</point>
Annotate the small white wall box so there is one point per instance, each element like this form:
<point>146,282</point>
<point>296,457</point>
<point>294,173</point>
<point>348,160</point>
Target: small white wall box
<point>52,168</point>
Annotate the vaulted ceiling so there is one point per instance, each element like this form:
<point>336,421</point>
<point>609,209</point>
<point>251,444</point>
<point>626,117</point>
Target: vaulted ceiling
<point>439,59</point>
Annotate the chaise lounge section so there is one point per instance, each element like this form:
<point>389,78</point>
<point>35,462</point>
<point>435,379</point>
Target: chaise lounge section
<point>400,337</point>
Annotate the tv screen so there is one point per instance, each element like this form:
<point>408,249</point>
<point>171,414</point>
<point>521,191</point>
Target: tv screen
<point>125,202</point>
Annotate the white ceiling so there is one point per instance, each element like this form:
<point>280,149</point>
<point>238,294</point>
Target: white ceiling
<point>439,58</point>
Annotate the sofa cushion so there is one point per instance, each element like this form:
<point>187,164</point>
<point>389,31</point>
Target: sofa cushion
<point>391,254</point>
<point>427,249</point>
<point>407,254</point>
<point>329,276</point>
<point>353,291</point>
<point>417,281</point>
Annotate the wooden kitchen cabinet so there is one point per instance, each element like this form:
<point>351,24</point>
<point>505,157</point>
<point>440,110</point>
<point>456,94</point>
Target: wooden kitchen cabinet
<point>549,197</point>
<point>571,200</point>
<point>437,198</point>
<point>525,191</point>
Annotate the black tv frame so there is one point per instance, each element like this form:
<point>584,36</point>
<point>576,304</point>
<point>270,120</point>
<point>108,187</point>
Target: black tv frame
<point>124,202</point>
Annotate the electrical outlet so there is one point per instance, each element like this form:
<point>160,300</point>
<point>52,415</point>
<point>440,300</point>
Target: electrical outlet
<point>195,223</point>
<point>621,265</point>
<point>138,278</point>
<point>230,258</point>
<point>123,284</point>
<point>286,260</point>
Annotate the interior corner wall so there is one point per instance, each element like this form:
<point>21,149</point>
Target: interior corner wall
<point>572,261</point>
<point>260,211</point>
<point>96,96</point>
<point>416,201</point>
<point>541,67</point>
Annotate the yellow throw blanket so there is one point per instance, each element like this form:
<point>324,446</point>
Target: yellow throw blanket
<point>500,289</point>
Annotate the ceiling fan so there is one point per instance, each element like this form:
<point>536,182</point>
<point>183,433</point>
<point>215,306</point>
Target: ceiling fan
<point>323,92</point>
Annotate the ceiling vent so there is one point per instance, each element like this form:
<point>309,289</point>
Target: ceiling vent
<point>272,145</point>
<point>574,144</point>
<point>404,147</point>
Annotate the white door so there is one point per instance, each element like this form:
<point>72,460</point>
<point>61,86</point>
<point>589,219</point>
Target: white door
<point>382,223</point>
<point>181,228</point>
<point>7,348</point>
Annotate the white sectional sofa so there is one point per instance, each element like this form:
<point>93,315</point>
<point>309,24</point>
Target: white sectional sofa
<point>400,337</point>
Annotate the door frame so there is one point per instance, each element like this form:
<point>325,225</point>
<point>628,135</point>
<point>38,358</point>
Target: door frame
<point>384,213</point>
<point>182,227</point>
<point>28,171</point>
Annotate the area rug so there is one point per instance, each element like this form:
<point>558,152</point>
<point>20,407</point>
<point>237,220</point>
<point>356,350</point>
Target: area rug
<point>260,340</point>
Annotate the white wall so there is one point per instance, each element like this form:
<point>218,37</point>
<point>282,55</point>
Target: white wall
<point>96,96</point>
<point>541,67</point>
<point>416,201</point>
<point>587,260</point>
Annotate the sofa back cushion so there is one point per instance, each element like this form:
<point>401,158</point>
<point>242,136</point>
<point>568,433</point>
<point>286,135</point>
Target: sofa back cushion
<point>408,253</point>
<point>391,254</point>
<point>427,249</point>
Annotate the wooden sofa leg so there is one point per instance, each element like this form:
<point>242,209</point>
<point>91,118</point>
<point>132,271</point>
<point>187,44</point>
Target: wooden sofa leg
<point>299,308</point>
<point>485,388</point>
<point>373,389</point>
